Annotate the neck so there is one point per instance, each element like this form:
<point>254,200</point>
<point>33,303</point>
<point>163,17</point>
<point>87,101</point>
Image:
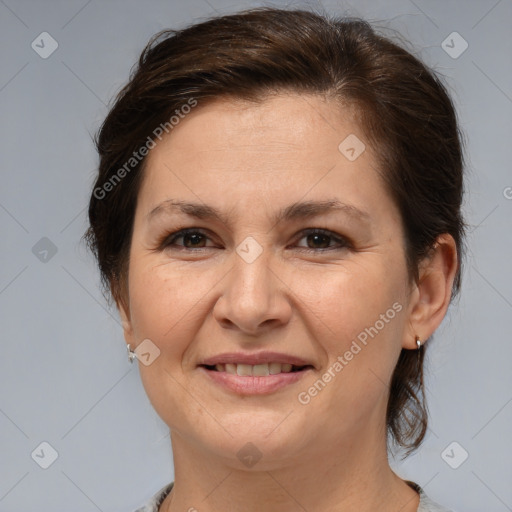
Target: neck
<point>350,477</point>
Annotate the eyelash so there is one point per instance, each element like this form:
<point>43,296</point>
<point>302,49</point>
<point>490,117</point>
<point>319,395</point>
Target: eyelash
<point>169,240</point>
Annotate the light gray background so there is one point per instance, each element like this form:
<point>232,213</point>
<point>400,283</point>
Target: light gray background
<point>66,379</point>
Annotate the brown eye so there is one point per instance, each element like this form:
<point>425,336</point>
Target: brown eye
<point>193,240</point>
<point>318,241</point>
<point>186,239</point>
<point>322,240</point>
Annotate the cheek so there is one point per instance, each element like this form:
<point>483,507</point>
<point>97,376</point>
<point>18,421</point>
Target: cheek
<point>165,305</point>
<point>161,294</point>
<point>347,300</point>
<point>362,316</point>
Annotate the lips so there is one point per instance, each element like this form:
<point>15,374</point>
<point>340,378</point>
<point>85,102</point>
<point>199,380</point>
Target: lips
<point>253,384</point>
<point>255,374</point>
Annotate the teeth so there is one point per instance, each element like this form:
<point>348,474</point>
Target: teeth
<point>231,368</point>
<point>274,368</point>
<point>257,370</point>
<point>244,369</point>
<point>260,370</point>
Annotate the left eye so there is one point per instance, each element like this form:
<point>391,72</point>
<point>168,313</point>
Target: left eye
<point>321,239</point>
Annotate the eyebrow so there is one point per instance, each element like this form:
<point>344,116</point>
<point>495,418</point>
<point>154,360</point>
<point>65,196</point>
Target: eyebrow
<point>295,211</point>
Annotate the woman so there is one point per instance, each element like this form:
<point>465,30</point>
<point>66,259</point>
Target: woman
<point>277,217</point>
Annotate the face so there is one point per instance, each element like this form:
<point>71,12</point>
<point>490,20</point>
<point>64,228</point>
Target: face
<point>292,246</point>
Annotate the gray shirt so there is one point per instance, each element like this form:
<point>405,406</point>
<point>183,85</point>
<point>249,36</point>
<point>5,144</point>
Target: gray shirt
<point>426,504</point>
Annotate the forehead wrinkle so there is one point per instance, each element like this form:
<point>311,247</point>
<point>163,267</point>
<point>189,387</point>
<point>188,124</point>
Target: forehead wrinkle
<point>295,211</point>
<point>197,210</point>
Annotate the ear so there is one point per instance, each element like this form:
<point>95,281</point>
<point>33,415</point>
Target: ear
<point>430,296</point>
<point>119,292</point>
<point>126,322</point>
<point>124,313</point>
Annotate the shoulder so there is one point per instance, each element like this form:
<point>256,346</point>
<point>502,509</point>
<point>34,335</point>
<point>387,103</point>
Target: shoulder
<point>426,504</point>
<point>153,504</point>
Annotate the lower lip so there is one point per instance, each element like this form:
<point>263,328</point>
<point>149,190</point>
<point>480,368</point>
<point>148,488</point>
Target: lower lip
<point>249,385</point>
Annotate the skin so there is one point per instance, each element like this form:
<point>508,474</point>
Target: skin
<point>197,297</point>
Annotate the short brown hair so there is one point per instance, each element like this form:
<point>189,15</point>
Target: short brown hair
<point>404,109</point>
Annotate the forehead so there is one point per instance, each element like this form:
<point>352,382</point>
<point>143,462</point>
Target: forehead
<point>256,155</point>
<point>280,123</point>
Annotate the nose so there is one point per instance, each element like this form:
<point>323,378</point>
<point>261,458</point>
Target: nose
<point>253,299</point>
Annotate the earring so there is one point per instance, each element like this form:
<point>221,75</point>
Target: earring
<point>131,353</point>
<point>418,344</point>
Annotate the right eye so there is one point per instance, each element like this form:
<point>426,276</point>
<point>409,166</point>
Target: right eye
<point>192,238</point>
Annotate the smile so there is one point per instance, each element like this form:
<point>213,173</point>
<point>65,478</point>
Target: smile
<point>257,370</point>
<point>259,379</point>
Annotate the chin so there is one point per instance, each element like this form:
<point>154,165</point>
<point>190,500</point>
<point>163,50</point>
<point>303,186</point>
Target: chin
<point>258,443</point>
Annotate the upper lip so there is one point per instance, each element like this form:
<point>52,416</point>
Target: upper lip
<point>255,358</point>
